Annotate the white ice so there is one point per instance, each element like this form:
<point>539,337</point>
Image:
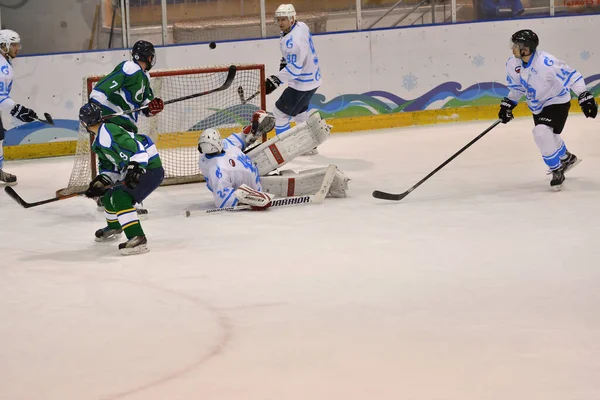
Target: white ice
<point>482,284</point>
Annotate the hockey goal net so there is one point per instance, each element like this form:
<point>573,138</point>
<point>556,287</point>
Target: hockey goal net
<point>177,128</point>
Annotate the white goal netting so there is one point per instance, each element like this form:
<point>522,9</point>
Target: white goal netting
<point>177,128</point>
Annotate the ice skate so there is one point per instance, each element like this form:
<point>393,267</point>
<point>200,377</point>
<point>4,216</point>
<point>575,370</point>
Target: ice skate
<point>106,234</point>
<point>135,245</point>
<point>558,177</point>
<point>8,179</point>
<point>570,161</point>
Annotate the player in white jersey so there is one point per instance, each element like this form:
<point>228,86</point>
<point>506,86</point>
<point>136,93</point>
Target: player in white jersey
<point>299,68</point>
<point>546,82</point>
<point>227,169</point>
<point>10,44</point>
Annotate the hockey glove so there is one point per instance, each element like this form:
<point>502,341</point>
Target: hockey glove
<point>262,123</point>
<point>154,107</point>
<point>134,172</point>
<point>282,64</point>
<point>271,84</point>
<point>506,107</point>
<point>588,104</point>
<point>99,186</point>
<point>23,113</point>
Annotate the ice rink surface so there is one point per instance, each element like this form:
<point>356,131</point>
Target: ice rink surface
<point>482,284</point>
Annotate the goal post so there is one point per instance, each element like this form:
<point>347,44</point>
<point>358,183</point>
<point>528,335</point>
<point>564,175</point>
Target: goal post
<point>177,128</point>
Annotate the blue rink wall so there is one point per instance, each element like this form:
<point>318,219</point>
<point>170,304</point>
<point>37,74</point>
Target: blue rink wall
<point>371,80</point>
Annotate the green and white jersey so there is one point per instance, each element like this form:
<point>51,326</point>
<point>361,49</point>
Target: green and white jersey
<point>125,88</point>
<point>117,148</point>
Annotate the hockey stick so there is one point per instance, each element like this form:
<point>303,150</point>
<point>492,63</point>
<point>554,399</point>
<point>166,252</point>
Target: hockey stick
<point>283,201</point>
<point>224,86</point>
<point>390,196</point>
<point>15,196</point>
<point>48,119</point>
<point>240,91</point>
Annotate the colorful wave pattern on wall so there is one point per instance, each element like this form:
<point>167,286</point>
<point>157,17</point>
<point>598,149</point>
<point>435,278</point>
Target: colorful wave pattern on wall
<point>446,95</point>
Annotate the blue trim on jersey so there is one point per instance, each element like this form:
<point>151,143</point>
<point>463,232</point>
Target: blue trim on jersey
<point>304,80</point>
<point>234,203</point>
<point>295,66</point>
<point>225,201</point>
<point>577,80</point>
<point>209,156</point>
<point>238,138</point>
<point>305,74</point>
<point>569,78</point>
<point>6,98</point>
<point>529,62</point>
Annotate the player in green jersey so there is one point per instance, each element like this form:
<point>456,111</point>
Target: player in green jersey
<point>129,170</point>
<point>128,87</point>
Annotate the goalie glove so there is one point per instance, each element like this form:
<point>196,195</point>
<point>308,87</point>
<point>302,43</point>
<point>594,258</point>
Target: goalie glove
<point>255,199</point>
<point>98,186</point>
<point>23,113</point>
<point>271,84</point>
<point>262,123</point>
<point>155,106</point>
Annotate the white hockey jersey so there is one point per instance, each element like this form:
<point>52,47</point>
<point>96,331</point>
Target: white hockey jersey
<point>302,71</point>
<point>6,81</point>
<point>226,172</point>
<point>544,80</point>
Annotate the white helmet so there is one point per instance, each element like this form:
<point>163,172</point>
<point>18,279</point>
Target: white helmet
<point>210,142</point>
<point>8,37</point>
<point>285,10</point>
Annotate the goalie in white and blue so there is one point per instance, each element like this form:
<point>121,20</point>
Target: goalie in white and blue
<point>231,175</point>
<point>299,68</point>
<point>10,44</point>
<point>546,82</point>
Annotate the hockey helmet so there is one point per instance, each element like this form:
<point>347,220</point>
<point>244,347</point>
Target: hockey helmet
<point>144,51</point>
<point>525,38</point>
<point>90,114</point>
<point>285,10</point>
<point>8,37</point>
<point>210,142</point>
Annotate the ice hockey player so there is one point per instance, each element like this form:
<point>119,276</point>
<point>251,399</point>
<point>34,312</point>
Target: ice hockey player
<point>230,174</point>
<point>10,44</point>
<point>129,170</point>
<point>128,87</point>
<point>299,68</point>
<point>237,178</point>
<point>546,83</point>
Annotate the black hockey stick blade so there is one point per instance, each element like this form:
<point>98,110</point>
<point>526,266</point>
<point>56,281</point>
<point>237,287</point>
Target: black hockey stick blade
<point>240,91</point>
<point>228,81</point>
<point>390,196</point>
<point>49,118</point>
<point>15,196</point>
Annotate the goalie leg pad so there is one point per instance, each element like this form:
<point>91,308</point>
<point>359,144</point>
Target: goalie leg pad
<point>289,183</point>
<point>279,150</point>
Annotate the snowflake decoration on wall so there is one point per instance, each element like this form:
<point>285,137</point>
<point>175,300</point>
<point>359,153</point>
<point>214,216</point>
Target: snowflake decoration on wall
<point>410,81</point>
<point>478,61</point>
<point>585,55</point>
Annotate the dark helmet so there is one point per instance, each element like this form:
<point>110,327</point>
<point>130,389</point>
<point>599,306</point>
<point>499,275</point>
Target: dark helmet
<point>144,51</point>
<point>527,37</point>
<point>90,114</point>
